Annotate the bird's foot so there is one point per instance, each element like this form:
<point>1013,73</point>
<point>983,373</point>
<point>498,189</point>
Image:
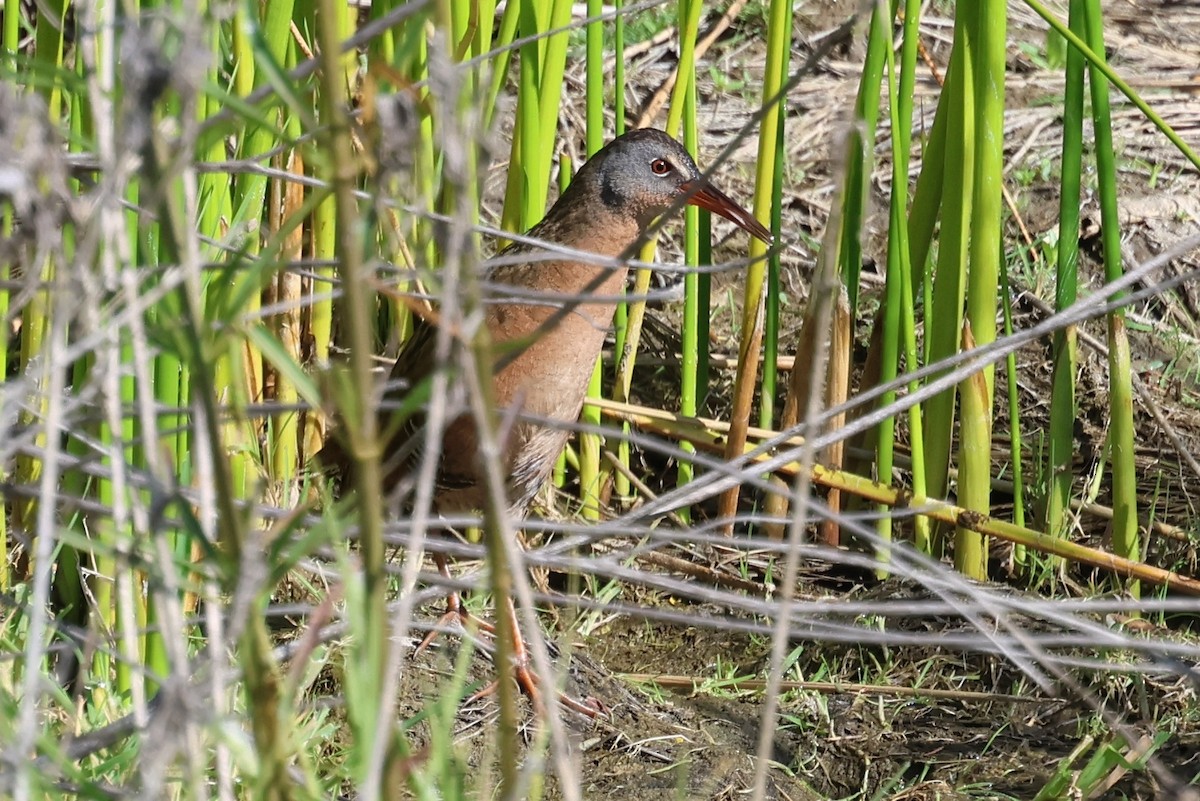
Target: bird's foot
<point>455,614</point>
<point>528,682</point>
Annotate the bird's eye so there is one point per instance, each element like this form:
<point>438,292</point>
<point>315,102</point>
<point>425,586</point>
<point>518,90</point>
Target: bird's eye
<point>660,167</point>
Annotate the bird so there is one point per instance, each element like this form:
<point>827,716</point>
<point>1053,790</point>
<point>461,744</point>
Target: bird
<point>552,345</point>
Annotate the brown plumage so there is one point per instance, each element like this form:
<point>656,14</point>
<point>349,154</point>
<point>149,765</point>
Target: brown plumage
<point>607,207</point>
<point>605,210</point>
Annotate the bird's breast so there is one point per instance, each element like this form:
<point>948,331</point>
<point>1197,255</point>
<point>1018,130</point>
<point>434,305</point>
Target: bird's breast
<point>547,350</point>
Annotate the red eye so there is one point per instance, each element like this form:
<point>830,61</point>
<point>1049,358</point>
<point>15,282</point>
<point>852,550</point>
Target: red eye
<point>660,167</point>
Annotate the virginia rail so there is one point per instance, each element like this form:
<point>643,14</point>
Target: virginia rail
<point>606,209</point>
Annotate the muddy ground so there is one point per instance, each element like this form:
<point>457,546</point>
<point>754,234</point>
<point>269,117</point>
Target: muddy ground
<point>975,730</point>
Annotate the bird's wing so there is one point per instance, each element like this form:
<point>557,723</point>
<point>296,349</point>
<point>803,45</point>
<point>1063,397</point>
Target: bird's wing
<point>398,420</point>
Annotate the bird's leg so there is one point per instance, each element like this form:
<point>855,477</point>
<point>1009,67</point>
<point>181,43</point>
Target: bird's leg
<point>455,612</point>
<point>527,680</point>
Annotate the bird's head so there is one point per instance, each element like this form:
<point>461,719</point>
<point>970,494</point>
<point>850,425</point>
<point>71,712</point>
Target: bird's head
<point>643,173</point>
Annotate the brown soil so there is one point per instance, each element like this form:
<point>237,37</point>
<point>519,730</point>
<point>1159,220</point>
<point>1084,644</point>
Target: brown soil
<point>701,745</point>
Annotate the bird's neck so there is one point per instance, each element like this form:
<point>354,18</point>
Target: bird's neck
<point>589,227</point>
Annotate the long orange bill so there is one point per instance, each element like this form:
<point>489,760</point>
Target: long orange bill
<point>718,202</point>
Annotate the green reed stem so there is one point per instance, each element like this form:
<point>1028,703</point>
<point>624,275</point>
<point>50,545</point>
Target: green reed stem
<point>1061,436</point>
<point>9,44</point>
<point>689,25</point>
<point>893,306</point>
<point>704,307</point>
<point>505,37</point>
<point>1121,430</point>
<point>9,63</point>
<point>862,144</point>
<point>10,36</point>
<point>621,485</point>
<point>320,311</point>
<point>48,55</point>
<point>539,93</point>
<point>521,209</point>
<point>779,21</point>
<point>770,379</point>
<point>922,533</point>
<point>362,423</point>
<point>989,28</point>
<point>924,213</point>
<point>398,317</point>
<point>88,602</point>
<point>6,230</point>
<point>1020,553</point>
<point>239,373</point>
<point>926,208</point>
<point>385,46</point>
<point>943,321</point>
<point>689,28</point>
<point>590,444</point>
<point>689,336</point>
<point>974,459</point>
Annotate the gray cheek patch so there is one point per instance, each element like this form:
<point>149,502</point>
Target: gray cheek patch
<point>610,196</point>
